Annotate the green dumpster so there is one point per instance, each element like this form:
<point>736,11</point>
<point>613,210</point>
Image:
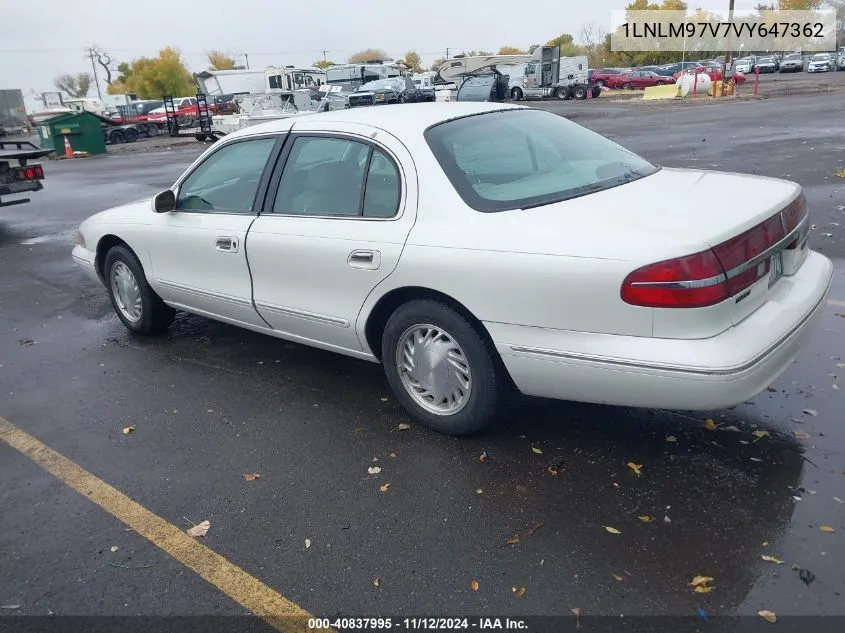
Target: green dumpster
<point>82,129</point>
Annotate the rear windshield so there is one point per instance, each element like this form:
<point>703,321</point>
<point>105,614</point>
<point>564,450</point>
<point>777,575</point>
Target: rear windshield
<point>516,159</point>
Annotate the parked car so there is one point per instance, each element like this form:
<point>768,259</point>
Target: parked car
<point>671,69</point>
<point>392,90</point>
<point>766,65</point>
<point>639,79</point>
<point>840,59</point>
<point>744,65</point>
<point>472,248</point>
<point>792,63</point>
<point>601,76</point>
<point>820,63</point>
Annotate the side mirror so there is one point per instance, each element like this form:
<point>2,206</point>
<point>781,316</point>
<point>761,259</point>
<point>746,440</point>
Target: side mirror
<point>165,202</point>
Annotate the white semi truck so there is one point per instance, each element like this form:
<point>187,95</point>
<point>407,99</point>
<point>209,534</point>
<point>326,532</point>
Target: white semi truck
<point>540,75</point>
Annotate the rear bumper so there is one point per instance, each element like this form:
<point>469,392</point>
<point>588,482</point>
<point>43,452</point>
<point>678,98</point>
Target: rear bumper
<point>691,374</point>
<point>85,259</point>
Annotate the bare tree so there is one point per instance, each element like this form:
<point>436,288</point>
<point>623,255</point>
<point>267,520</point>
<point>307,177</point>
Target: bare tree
<point>105,60</point>
<point>592,38</point>
<point>75,85</point>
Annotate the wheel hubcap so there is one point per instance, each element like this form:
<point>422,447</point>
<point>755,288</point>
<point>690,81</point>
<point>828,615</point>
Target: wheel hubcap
<point>127,294</point>
<point>434,369</point>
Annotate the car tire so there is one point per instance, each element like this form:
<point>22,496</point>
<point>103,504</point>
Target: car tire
<point>516,94</point>
<point>477,368</point>
<point>660,83</point>
<point>579,92</point>
<point>117,136</point>
<point>600,83</point>
<point>627,86</point>
<point>130,134</point>
<point>596,91</point>
<point>148,314</point>
<point>562,93</point>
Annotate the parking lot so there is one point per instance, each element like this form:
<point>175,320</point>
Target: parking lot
<point>209,403</point>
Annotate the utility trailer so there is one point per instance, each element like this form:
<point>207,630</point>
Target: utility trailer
<point>17,174</point>
<point>192,121</point>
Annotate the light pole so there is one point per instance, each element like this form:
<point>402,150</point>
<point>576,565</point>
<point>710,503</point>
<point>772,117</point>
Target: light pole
<point>726,66</point>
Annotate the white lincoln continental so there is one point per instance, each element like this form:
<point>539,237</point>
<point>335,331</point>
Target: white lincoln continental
<point>474,248</point>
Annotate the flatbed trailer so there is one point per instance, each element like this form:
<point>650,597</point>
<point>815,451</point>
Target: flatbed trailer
<point>17,174</point>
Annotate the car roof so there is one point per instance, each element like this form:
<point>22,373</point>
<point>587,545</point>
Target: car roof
<point>407,120</point>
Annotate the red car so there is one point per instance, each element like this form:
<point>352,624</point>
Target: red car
<point>714,72</point>
<point>602,76</point>
<point>638,79</point>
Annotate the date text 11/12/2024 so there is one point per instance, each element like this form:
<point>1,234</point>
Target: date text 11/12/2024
<point>417,624</point>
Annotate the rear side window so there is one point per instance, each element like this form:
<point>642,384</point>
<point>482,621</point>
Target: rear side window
<point>523,158</point>
<point>326,176</point>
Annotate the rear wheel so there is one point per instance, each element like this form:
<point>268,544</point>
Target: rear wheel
<point>130,134</point>
<point>596,91</point>
<point>600,82</point>
<point>579,92</point>
<point>117,136</point>
<point>627,86</point>
<point>443,372</point>
<point>562,93</point>
<point>139,308</point>
<point>660,83</point>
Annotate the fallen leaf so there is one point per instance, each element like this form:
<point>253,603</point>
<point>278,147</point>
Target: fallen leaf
<point>393,455</point>
<point>519,591</point>
<point>806,576</point>
<point>513,540</point>
<point>666,519</point>
<point>251,476</point>
<point>703,589</point>
<point>810,412</point>
<point>374,470</point>
<point>801,435</point>
<point>710,424</point>
<point>760,434</point>
<point>635,467</point>
<point>768,616</point>
<point>840,173</point>
<point>376,582</point>
<point>755,459</point>
<point>404,426</point>
<point>796,567</point>
<point>128,429</point>
<point>479,491</point>
<point>483,456</point>
<point>473,585</point>
<point>533,529</point>
<point>744,442</point>
<point>307,543</point>
<point>375,459</point>
<point>612,530</point>
<point>827,529</point>
<point>552,471</point>
<point>384,399</point>
<point>645,518</point>
<point>534,449</point>
<point>200,529</point>
<point>731,428</point>
<point>618,578</point>
<point>615,485</point>
<point>114,548</point>
<point>384,487</point>
<point>701,580</point>
<point>671,438</point>
<point>772,559</point>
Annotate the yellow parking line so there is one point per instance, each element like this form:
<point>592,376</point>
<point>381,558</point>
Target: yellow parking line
<point>834,302</point>
<point>275,609</point>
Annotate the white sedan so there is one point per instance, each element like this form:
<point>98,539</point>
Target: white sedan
<point>472,248</point>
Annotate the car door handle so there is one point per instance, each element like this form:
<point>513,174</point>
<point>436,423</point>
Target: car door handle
<point>227,244</point>
<point>364,259</point>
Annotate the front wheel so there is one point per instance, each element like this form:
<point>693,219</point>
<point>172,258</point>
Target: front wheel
<point>443,372</point>
<point>516,94</point>
<point>627,86</point>
<point>139,308</point>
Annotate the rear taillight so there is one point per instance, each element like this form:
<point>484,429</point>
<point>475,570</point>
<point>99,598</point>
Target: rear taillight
<point>709,277</point>
<point>693,281</point>
<point>28,173</point>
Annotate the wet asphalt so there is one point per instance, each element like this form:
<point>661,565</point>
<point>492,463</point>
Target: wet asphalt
<point>210,402</point>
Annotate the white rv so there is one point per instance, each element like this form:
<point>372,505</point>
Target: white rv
<point>270,80</point>
<point>359,74</point>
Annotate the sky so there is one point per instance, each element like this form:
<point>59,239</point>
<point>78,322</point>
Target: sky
<point>40,39</point>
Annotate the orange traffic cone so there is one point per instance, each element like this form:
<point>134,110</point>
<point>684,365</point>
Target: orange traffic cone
<point>68,148</point>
